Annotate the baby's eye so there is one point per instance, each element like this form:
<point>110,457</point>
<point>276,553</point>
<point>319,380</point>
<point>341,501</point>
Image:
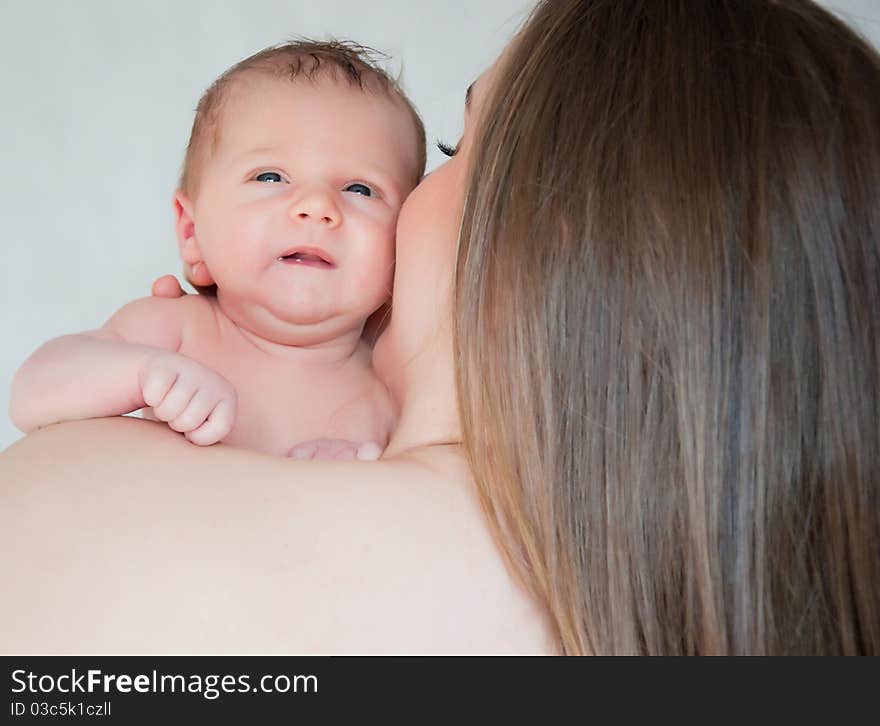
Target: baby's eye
<point>269,176</point>
<point>359,189</point>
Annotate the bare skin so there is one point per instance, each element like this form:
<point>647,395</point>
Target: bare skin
<point>120,536</point>
<point>294,220</point>
<point>206,378</point>
<point>270,556</point>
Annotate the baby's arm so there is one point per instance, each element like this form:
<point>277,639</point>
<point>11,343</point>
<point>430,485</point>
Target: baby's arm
<point>130,363</point>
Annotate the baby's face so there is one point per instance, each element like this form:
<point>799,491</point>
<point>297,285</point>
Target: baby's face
<point>297,205</point>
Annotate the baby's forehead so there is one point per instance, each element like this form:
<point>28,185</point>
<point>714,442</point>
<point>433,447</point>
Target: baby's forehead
<point>301,110</point>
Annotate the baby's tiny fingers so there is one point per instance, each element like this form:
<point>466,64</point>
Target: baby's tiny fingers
<point>369,451</point>
<point>327,449</point>
<point>337,450</point>
<point>157,384</point>
<point>175,401</point>
<point>217,426</point>
<point>196,412</point>
<point>304,451</point>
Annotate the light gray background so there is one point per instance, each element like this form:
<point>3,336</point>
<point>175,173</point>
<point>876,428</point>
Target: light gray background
<point>97,100</point>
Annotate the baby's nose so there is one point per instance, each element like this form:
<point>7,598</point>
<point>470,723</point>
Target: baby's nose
<point>316,205</point>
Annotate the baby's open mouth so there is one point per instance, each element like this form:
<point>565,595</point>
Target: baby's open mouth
<point>308,257</point>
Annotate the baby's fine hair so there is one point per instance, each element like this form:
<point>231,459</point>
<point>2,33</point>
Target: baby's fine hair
<point>313,60</point>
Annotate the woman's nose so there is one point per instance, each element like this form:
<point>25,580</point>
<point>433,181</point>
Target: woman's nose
<point>316,205</point>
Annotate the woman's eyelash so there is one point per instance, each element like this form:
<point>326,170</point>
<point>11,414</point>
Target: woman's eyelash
<point>447,150</point>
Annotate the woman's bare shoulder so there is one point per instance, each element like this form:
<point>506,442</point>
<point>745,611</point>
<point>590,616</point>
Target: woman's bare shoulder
<point>124,537</point>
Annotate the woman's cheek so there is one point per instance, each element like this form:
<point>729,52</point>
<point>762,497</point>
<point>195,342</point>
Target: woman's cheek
<point>427,230</point>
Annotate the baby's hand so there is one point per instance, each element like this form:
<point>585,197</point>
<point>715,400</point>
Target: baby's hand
<point>337,449</point>
<point>190,397</point>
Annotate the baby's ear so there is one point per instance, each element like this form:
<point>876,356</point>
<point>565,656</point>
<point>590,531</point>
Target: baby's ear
<point>195,269</point>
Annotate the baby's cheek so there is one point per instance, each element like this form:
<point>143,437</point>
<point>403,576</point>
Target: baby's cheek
<point>372,286</point>
<point>376,270</point>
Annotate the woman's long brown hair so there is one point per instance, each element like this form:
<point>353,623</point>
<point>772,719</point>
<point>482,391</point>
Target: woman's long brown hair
<point>667,325</point>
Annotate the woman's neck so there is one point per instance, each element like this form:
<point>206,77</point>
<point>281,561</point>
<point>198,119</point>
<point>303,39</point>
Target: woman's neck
<point>428,409</point>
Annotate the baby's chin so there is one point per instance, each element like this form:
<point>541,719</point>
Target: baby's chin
<point>312,329</point>
<point>299,323</point>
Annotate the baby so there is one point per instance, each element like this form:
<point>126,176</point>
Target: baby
<point>299,160</point>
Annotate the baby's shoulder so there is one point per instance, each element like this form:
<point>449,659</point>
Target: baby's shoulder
<point>161,308</point>
<point>163,322</point>
<point>202,322</point>
<point>197,306</point>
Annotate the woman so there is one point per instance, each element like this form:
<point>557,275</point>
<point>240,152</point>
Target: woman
<point>663,342</point>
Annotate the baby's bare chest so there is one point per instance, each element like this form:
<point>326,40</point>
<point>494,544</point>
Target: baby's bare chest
<point>281,403</point>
